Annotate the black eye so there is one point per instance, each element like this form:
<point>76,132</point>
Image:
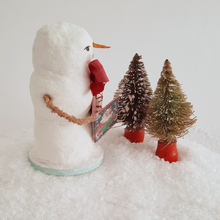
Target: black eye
<point>87,48</point>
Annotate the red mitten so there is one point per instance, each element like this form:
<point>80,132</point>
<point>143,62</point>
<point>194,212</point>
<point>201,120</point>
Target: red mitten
<point>98,77</point>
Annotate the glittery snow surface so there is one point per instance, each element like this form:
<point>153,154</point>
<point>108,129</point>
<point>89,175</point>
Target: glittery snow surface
<point>132,183</point>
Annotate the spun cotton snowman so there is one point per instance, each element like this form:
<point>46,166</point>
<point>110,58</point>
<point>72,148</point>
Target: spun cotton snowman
<point>62,88</point>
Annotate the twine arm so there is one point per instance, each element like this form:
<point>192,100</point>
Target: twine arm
<point>70,118</point>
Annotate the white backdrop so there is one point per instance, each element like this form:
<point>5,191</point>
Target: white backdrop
<point>187,32</point>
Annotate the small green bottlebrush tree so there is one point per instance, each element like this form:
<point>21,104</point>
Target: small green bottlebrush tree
<point>169,114</point>
<point>135,94</point>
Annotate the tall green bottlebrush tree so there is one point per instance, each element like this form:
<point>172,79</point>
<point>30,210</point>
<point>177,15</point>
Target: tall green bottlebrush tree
<point>135,94</point>
<point>169,114</point>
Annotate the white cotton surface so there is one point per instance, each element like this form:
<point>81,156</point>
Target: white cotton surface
<point>61,70</point>
<point>132,183</point>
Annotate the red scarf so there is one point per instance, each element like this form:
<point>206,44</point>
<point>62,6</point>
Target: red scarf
<point>98,77</point>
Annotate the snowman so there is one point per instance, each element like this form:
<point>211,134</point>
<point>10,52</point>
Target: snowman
<point>62,88</point>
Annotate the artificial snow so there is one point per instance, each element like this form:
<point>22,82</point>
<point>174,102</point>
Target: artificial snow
<point>132,183</point>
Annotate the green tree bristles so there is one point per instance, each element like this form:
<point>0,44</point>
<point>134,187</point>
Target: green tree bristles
<point>169,114</point>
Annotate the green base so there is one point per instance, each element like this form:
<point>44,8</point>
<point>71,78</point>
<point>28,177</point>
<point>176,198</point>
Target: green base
<point>70,172</point>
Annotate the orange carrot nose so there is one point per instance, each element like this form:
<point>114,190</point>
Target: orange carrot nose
<point>99,46</point>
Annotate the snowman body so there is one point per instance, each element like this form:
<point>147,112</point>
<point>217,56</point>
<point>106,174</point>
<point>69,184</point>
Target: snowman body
<point>61,54</point>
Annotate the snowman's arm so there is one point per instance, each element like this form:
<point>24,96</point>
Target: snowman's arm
<point>70,118</point>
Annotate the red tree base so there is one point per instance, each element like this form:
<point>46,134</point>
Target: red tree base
<point>167,152</point>
<point>134,136</point>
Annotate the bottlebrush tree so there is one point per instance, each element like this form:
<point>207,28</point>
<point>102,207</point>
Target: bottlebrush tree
<point>169,114</point>
<point>135,94</point>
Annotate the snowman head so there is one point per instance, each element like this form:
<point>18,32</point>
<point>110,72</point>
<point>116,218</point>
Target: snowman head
<point>62,48</point>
